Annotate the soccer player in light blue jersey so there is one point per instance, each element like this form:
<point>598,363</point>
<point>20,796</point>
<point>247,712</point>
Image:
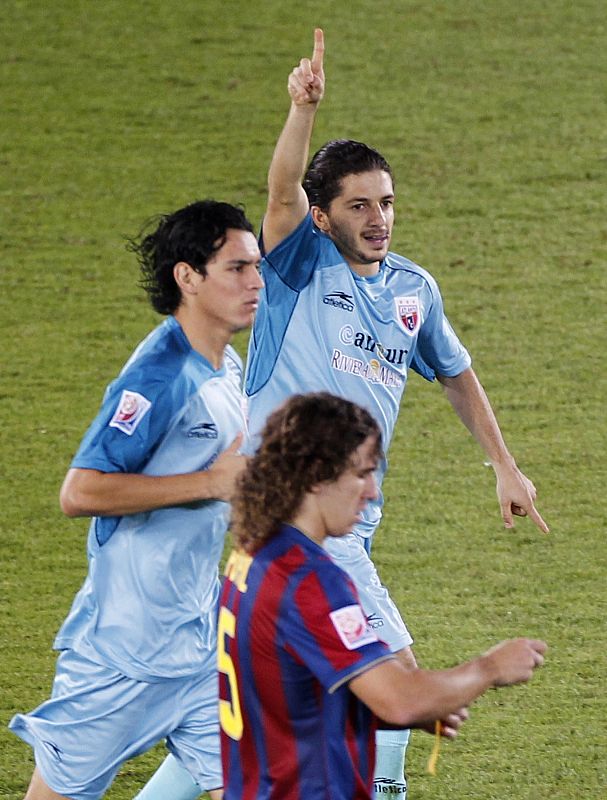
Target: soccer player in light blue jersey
<point>340,312</point>
<point>155,471</point>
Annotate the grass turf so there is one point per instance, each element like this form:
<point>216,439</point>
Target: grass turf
<point>493,120</point>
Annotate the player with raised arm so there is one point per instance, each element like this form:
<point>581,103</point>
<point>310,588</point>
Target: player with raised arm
<point>342,313</point>
<point>155,470</point>
<point>303,679</point>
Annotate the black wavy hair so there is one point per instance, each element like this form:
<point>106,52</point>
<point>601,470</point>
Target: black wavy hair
<point>192,234</point>
<point>333,162</point>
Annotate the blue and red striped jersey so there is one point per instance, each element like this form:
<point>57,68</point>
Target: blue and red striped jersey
<point>292,635</point>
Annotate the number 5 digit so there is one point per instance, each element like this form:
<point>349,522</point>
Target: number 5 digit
<point>230,716</point>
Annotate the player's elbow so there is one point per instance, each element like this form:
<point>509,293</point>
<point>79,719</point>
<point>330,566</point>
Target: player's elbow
<point>396,715</point>
<point>69,504</point>
<point>73,496</point>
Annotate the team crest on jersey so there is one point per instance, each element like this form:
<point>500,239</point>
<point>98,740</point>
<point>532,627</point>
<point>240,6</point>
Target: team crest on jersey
<point>407,310</point>
<point>132,408</point>
<point>351,626</point>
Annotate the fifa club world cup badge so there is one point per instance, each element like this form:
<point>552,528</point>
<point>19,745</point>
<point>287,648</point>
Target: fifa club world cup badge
<point>132,408</point>
<point>351,626</point>
<point>407,310</point>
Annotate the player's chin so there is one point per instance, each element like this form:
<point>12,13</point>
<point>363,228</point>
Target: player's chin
<point>373,254</point>
<point>244,321</point>
<point>347,529</point>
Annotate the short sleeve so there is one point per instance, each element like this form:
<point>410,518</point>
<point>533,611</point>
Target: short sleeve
<point>328,629</point>
<point>438,350</point>
<point>296,257</point>
<point>134,416</point>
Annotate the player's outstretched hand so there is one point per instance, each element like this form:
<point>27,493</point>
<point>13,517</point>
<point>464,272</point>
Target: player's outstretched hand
<point>514,660</point>
<point>516,495</point>
<point>307,81</point>
<point>226,470</point>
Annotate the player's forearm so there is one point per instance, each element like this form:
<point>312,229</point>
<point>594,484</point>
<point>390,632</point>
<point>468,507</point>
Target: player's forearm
<point>420,696</point>
<point>415,697</point>
<point>438,693</point>
<point>92,493</point>
<point>291,156</point>
<point>471,404</point>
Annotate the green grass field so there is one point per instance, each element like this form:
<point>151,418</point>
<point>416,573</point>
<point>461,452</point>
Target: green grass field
<point>493,118</point>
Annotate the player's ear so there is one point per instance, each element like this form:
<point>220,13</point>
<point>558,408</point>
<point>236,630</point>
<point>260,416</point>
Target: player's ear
<point>320,218</point>
<point>186,278</point>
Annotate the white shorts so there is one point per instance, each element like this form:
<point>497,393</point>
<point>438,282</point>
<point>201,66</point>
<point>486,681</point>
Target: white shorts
<point>98,718</point>
<point>349,553</point>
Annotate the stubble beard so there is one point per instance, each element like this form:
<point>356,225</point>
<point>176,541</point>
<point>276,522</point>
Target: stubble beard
<point>349,248</point>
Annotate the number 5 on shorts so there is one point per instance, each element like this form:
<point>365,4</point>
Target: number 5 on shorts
<point>230,716</point>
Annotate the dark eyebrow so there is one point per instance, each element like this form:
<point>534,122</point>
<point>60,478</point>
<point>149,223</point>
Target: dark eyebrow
<point>241,262</point>
<point>365,199</point>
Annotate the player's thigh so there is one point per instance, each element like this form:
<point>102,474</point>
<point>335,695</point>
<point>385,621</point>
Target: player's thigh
<point>96,719</point>
<point>196,741</point>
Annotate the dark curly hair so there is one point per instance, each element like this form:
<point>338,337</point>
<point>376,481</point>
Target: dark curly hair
<point>192,234</point>
<point>333,162</point>
<point>309,440</point>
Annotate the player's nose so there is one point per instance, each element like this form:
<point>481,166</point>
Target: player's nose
<point>377,215</point>
<point>371,490</point>
<point>256,280</point>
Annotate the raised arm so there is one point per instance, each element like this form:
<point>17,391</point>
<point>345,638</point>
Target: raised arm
<point>89,492</point>
<point>413,698</point>
<point>287,200</point>
<point>515,492</point>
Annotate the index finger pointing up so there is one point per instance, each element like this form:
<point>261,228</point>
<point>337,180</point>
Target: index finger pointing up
<point>319,49</point>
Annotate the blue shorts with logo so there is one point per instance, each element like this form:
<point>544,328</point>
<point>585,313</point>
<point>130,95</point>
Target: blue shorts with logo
<point>98,718</point>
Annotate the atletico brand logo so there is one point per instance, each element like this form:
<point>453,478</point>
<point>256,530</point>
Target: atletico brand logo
<point>407,309</point>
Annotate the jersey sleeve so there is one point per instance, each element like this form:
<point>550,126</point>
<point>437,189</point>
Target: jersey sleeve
<point>134,416</point>
<point>286,270</point>
<point>296,257</point>
<point>438,350</point>
<point>328,630</point>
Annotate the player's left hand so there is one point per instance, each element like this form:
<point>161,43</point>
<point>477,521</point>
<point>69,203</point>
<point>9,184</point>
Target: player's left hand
<point>517,495</point>
<point>450,725</point>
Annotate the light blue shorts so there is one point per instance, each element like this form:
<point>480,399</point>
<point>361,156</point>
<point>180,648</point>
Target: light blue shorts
<point>98,718</point>
<point>350,553</point>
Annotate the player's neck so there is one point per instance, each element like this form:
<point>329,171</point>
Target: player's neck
<point>209,340</point>
<point>364,270</point>
<point>309,522</point>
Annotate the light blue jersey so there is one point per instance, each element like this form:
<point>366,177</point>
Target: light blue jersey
<point>322,327</point>
<point>148,605</point>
